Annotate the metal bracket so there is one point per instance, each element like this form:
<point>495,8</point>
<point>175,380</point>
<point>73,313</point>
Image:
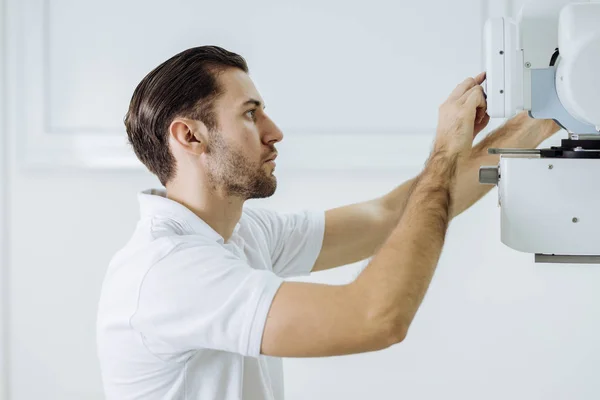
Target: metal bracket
<point>514,151</point>
<point>545,103</point>
<point>566,259</point>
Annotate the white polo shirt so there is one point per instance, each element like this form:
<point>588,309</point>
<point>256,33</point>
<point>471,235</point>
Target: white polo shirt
<point>182,313</point>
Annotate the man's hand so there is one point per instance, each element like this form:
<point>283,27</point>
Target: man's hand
<point>462,116</point>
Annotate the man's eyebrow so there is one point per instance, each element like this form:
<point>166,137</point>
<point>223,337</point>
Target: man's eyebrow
<point>257,103</point>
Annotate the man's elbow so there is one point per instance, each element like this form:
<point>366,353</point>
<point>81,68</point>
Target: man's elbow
<point>388,331</point>
<point>383,323</point>
<point>394,334</point>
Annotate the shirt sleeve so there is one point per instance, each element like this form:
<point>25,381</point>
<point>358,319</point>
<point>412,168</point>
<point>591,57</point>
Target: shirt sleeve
<point>294,239</point>
<point>203,296</point>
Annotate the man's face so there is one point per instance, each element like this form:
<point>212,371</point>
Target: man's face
<point>239,149</point>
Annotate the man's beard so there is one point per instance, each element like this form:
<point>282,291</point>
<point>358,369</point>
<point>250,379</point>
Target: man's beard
<point>232,171</point>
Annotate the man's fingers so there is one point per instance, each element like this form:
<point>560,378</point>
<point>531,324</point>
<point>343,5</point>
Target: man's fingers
<point>475,98</point>
<point>481,111</point>
<point>480,78</point>
<point>479,115</point>
<point>466,85</point>
<point>479,126</point>
<point>462,88</point>
<point>485,120</point>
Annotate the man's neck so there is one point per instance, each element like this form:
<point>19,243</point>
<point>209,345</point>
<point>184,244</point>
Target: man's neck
<point>219,211</point>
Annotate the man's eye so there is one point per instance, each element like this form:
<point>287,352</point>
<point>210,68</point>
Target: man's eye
<point>251,114</point>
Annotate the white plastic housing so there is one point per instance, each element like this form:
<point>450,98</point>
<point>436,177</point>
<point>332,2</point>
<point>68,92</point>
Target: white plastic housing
<point>538,30</point>
<point>578,72</point>
<point>539,205</point>
<point>503,65</point>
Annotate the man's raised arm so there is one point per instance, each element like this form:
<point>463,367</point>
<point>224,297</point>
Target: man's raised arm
<point>376,310</point>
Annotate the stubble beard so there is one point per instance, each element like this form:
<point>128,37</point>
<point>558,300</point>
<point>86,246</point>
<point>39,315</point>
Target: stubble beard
<point>234,173</point>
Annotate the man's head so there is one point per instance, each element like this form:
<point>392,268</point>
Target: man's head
<point>199,114</point>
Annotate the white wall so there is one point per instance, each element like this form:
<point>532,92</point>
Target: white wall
<point>493,324</point>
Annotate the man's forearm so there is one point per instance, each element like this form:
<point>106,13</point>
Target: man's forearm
<point>397,278</point>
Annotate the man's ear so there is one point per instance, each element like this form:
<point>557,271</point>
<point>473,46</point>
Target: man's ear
<point>189,135</point>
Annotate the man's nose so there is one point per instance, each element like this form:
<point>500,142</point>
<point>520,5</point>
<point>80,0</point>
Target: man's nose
<point>272,133</point>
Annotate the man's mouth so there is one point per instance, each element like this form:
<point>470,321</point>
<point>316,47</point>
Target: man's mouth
<point>271,158</point>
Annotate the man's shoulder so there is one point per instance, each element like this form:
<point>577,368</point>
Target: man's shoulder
<point>152,241</point>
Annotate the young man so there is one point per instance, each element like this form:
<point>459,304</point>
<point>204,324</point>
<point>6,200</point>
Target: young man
<point>195,302</point>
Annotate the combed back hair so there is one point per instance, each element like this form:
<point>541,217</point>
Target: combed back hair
<point>184,86</point>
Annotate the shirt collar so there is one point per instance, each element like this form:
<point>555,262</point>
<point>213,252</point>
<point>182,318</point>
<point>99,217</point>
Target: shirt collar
<point>154,202</point>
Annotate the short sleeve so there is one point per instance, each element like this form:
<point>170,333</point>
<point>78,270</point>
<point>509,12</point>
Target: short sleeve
<point>294,239</point>
<point>203,296</point>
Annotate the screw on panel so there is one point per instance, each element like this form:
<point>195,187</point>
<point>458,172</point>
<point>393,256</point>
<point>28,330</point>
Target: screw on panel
<point>501,91</point>
<point>501,52</point>
<point>550,166</point>
<point>527,65</point>
<point>575,220</point>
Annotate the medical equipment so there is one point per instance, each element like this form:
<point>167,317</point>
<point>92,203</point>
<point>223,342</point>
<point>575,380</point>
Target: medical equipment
<point>548,63</point>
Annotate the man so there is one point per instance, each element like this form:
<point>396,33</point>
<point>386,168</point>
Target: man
<point>196,301</point>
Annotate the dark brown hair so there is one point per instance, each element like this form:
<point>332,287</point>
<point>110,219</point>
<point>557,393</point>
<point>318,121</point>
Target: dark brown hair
<point>183,86</point>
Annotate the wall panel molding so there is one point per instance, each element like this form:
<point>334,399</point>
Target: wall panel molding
<point>42,144</point>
